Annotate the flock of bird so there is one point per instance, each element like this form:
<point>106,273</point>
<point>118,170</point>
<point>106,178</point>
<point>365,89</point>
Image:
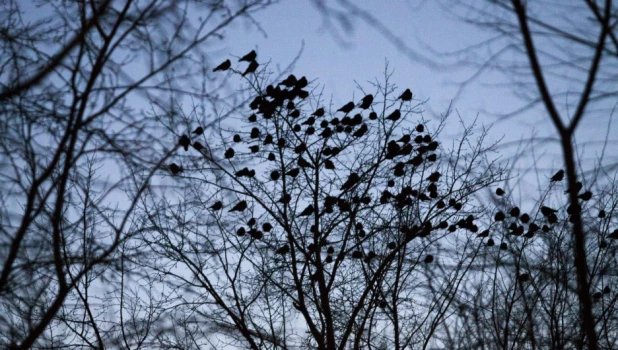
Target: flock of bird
<point>410,150</point>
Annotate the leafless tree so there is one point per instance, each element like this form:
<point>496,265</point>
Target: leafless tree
<point>83,88</point>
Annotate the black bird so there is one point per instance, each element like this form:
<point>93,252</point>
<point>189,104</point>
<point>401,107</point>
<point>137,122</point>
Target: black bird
<point>243,172</point>
<point>432,146</point>
<point>432,157</point>
<point>271,156</point>
<point>418,139</point>
<point>525,218</point>
<point>318,112</point>
<point>307,211</point>
<point>225,65</point>
<point>524,277</point>
<point>394,116</point>
<point>217,206</point>
<point>175,169</point>
<point>601,214</point>
<point>255,133</point>
<point>268,139</point>
<point>289,81</point>
<point>427,138</point>
<point>283,250</point>
<point>578,187</point>
<point>256,103</point>
<point>515,212</point>
<point>420,128</point>
<point>240,206</point>
<point>303,163</point>
<point>373,116</point>
<point>251,222</point>
<point>347,108</point>
<point>499,216</point>
<point>253,66</point>
<point>405,138</point>
<point>483,234</point>
<point>185,142</point>
<point>240,231</point>
<point>254,149</point>
<point>490,242</point>
<point>326,133</point>
<point>366,102</point>
<point>274,175</point>
<point>252,118</point>
<point>198,146</point>
<point>361,131</point>
<point>199,130</point>
<point>285,198</point>
<point>429,259</point>
<point>328,164</point>
<point>499,192</point>
<point>237,138</point>
<point>267,227</point>
<point>251,56</point>
<point>547,211</point>
<point>585,196</point>
<point>309,121</point>
<point>406,96</point>
<point>558,176</point>
<point>229,153</point>
<point>434,177</point>
<point>352,180</point>
<point>300,148</point>
<point>293,173</point>
<point>310,130</point>
<point>301,83</point>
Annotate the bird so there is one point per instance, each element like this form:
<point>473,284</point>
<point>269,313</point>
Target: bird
<point>293,173</point>
<point>524,277</point>
<point>578,187</point>
<point>175,168</point>
<point>302,147</point>
<point>405,138</point>
<point>490,242</point>
<point>267,227</point>
<point>225,65</point>
<point>558,176</point>
<point>251,56</point>
<point>229,153</point>
<point>428,259</point>
<point>328,164</point>
<point>373,116</point>
<point>252,118</point>
<point>240,206</point>
<point>350,182</point>
<point>318,112</point>
<point>366,102</point>
<point>254,149</point>
<point>394,116</point>
<point>434,177</point>
<point>185,142</point>
<point>289,81</point>
<point>268,139</point>
<point>285,198</point>
<point>307,211</point>
<point>237,138</point>
<point>420,128</point>
<point>253,66</point>
<point>251,222</point>
<point>199,130</point>
<point>499,191</point>
<point>240,231</point>
<point>243,172</point>
<point>499,216</point>
<point>301,83</point>
<point>361,131</point>
<point>217,206</point>
<point>274,175</point>
<point>198,146</point>
<point>271,156</point>
<point>255,133</point>
<point>547,211</point>
<point>283,250</point>
<point>515,212</point>
<point>406,96</point>
<point>586,196</point>
<point>525,218</point>
<point>309,121</point>
<point>601,214</point>
<point>347,108</point>
<point>303,163</point>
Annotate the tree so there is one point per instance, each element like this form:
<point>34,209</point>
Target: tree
<point>78,152</point>
<point>322,226</point>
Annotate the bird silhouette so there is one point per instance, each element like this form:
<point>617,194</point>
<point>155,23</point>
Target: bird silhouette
<point>268,139</point>
<point>256,234</point>
<point>217,206</point>
<point>361,131</point>
<point>490,242</point>
<point>524,277</point>
<point>243,172</point>
<point>255,104</point>
<point>303,163</point>
<point>347,108</point>
<point>241,231</point>
<point>420,128</point>
<point>326,133</point>
<point>586,196</point>
<point>484,233</point>
<point>499,216</point>
<point>253,66</point>
<point>285,198</point>
<point>301,83</point>
<point>432,157</point>
<point>307,211</point>
<point>289,81</point>
<point>254,149</point>
<point>499,191</point>
<point>432,146</point>
<point>434,177</point>
<point>252,118</point>
<point>578,187</point>
<point>547,211</point>
<point>558,176</point>
<point>525,218</point>
<point>406,96</point>
<point>373,116</point>
<point>240,206</point>
<point>309,121</point>
<point>295,113</point>
<point>255,133</point>
<point>274,175</point>
<point>350,182</point>
<point>185,142</point>
<point>199,130</point>
<point>229,153</point>
<point>428,259</point>
<point>300,148</point>
<point>427,138</point>
<point>271,156</point>
<point>251,56</point>
<point>405,150</point>
<point>366,102</point>
<point>267,227</point>
<point>601,214</point>
<point>237,138</point>
<point>328,164</point>
<point>283,250</point>
<point>405,138</point>
<point>252,222</point>
<point>318,112</point>
<point>515,212</point>
<point>293,173</point>
<point>418,139</point>
<point>198,146</point>
<point>394,116</point>
<point>225,65</point>
<point>175,169</point>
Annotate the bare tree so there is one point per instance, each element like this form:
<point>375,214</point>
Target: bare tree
<point>79,148</point>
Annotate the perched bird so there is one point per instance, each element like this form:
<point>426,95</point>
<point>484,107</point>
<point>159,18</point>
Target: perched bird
<point>483,234</point>
<point>578,187</point>
<point>252,222</point>
<point>253,66</point>
<point>434,177</point>
<point>217,206</point>
<point>198,146</point>
<point>289,81</point>
<point>394,116</point>
<point>252,118</point>
<point>240,232</point>
<point>175,169</point>
<point>586,196</point>
<point>490,242</point>
<point>406,96</point>
<point>373,116</point>
<point>428,259</point>
<point>307,211</point>
<point>547,211</point>
<point>225,65</point>
<point>420,128</point>
<point>601,214</point>
<point>293,173</point>
<point>185,142</point>
<point>274,175</point>
<point>285,198</point>
<point>347,108</point>
<point>318,112</point>
<point>558,176</point>
<point>229,153</point>
<point>499,216</point>
<point>309,121</point>
<point>524,277</point>
<point>525,218</point>
<point>267,227</point>
<point>301,83</point>
<point>350,182</point>
<point>303,163</point>
<point>504,246</point>
<point>300,148</point>
<point>283,250</point>
<point>255,133</point>
<point>328,164</point>
<point>499,192</point>
<point>254,149</point>
<point>268,139</point>
<point>515,212</point>
<point>199,130</point>
<point>361,131</point>
<point>366,102</point>
<point>405,138</point>
<point>237,138</point>
<point>251,56</point>
<point>271,156</point>
<point>240,206</point>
